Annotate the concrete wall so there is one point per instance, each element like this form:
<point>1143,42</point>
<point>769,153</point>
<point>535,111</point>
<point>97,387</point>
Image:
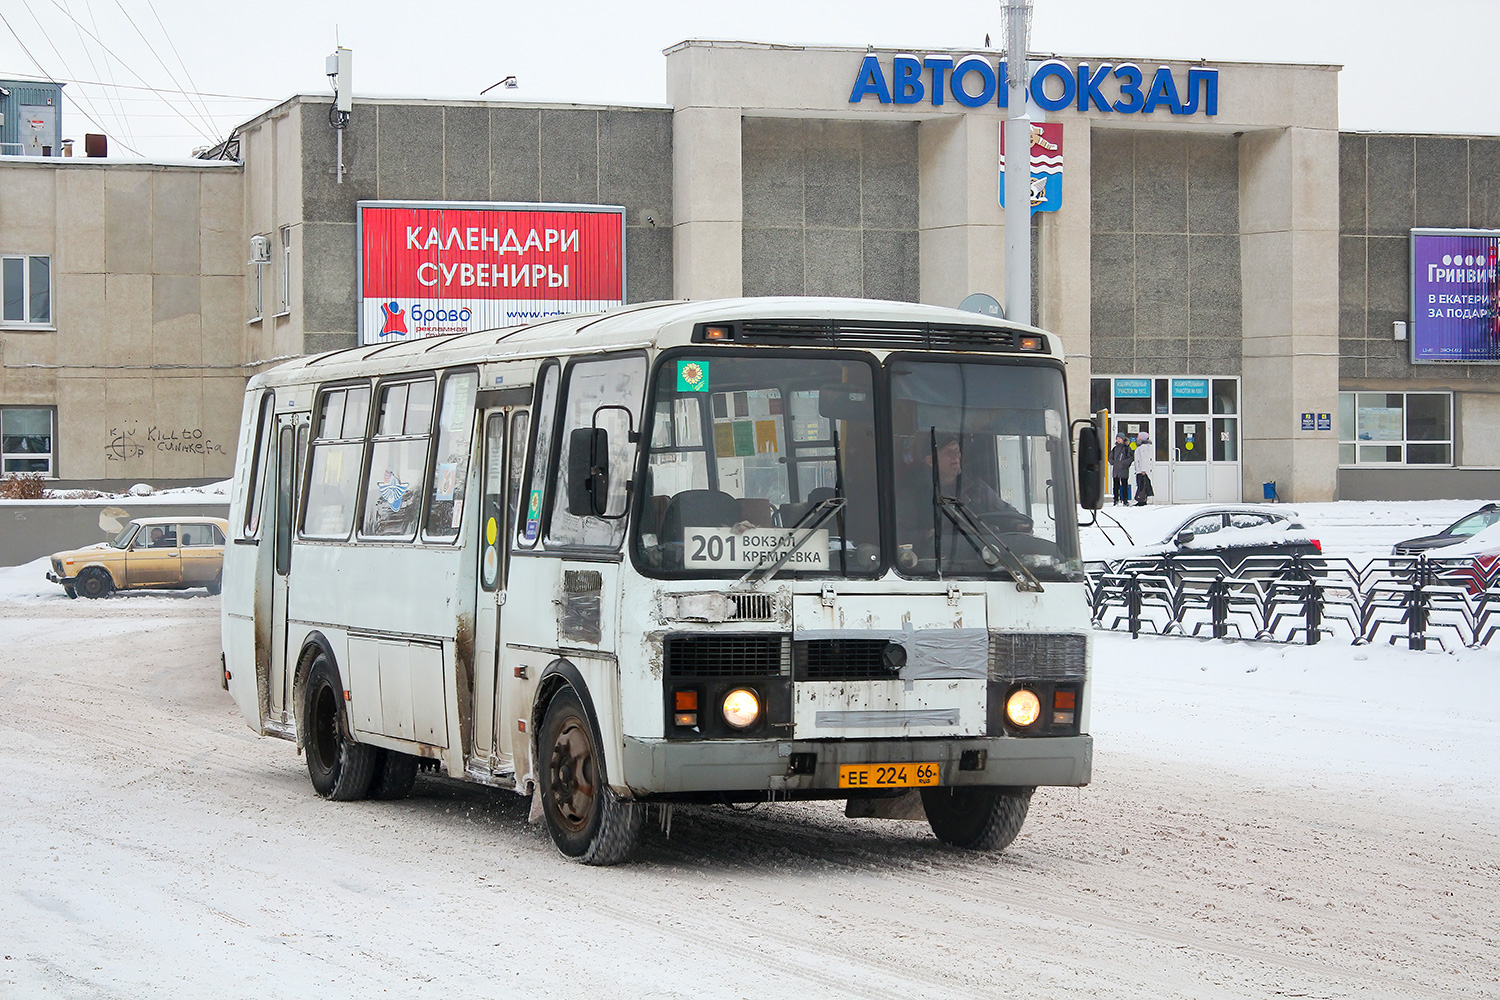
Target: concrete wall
<point>145,362</point>
<point>446,151</point>
<point>40,528</point>
<point>1165,254</point>
<point>830,208</point>
<point>1389,185</point>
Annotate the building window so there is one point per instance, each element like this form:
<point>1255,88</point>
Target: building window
<point>26,440</point>
<point>1395,428</point>
<point>284,289</point>
<point>26,291</point>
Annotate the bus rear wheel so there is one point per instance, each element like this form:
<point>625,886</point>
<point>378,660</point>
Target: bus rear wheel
<point>340,768</point>
<point>395,775</point>
<point>588,821</point>
<point>977,818</point>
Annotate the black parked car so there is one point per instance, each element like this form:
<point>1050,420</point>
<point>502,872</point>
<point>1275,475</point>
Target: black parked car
<point>1459,531</point>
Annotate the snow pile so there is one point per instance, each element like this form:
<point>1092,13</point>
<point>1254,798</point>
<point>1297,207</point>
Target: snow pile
<point>28,582</point>
<point>1277,533</point>
<point>1374,716</point>
<point>210,493</point>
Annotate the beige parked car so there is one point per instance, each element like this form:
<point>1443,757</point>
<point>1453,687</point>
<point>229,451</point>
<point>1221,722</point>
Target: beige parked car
<point>150,553</point>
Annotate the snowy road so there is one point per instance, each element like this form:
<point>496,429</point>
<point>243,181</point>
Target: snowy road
<point>152,846</point>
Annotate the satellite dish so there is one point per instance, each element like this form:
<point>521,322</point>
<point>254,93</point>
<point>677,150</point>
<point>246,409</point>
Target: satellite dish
<point>984,305</point>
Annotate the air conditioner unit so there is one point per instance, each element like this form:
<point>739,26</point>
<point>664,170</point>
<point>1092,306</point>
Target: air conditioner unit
<point>260,250</point>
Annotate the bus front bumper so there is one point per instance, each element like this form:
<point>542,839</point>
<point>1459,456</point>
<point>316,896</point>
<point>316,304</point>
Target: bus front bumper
<point>654,766</point>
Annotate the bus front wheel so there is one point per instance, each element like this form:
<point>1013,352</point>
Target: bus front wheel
<point>588,821</point>
<point>340,768</point>
<point>981,819</point>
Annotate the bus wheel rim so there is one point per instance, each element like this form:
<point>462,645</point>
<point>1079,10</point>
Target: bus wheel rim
<point>573,786</point>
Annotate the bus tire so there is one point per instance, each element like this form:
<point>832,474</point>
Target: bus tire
<point>340,768</point>
<point>95,583</point>
<point>395,775</point>
<point>587,820</point>
<point>977,818</point>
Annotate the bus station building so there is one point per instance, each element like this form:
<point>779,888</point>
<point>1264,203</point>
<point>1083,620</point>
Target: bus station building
<point>1227,269</point>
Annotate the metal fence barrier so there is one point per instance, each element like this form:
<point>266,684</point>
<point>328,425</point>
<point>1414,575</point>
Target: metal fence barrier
<point>1281,598</point>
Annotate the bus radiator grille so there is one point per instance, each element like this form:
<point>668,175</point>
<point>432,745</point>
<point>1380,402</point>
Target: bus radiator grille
<point>727,655</point>
<point>844,660</point>
<point>1040,656</point>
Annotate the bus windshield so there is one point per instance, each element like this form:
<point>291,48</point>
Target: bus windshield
<point>756,457</point>
<point>981,464</point>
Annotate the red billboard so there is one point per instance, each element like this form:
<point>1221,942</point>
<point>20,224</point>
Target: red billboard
<point>433,268</point>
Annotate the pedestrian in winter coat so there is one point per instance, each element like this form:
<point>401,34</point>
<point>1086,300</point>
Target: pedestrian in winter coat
<point>1120,457</point>
<point>1145,464</point>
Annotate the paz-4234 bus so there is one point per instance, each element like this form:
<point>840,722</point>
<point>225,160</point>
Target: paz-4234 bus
<point>712,552</point>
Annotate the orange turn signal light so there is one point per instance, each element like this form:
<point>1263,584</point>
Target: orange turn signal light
<point>687,701</point>
<point>1064,700</point>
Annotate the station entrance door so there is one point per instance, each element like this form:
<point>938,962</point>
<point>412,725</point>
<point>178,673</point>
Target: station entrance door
<point>1194,426</point>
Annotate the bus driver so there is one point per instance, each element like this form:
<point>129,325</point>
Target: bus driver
<point>919,514</point>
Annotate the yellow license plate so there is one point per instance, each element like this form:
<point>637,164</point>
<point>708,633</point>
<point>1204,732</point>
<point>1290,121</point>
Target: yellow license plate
<point>887,775</point>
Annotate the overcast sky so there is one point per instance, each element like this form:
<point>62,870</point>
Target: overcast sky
<point>1430,71</point>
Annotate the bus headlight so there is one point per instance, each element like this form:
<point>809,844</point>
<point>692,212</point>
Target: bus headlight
<point>741,708</point>
<point>1022,708</point>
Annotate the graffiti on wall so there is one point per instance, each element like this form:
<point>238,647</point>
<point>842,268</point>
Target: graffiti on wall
<point>126,443</point>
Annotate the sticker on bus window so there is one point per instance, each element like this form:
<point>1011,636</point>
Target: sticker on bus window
<point>533,515</point>
<point>725,548</point>
<point>692,376</point>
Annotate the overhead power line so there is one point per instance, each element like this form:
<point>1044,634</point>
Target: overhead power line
<point>126,65</point>
<point>11,28</point>
<point>165,68</point>
<point>157,90</point>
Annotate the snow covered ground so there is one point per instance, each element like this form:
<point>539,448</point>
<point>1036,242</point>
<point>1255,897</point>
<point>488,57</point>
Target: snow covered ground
<point>1264,821</point>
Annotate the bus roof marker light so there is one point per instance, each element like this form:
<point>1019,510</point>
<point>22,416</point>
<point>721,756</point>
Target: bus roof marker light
<point>1031,343</point>
<point>718,333</point>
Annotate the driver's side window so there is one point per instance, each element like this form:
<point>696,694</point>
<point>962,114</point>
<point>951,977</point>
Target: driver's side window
<point>1205,525</point>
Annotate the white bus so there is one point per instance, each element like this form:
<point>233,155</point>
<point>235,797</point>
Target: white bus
<point>729,551</point>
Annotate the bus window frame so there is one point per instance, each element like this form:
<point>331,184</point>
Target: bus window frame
<point>305,473</point>
<point>254,486</point>
<point>443,375</point>
<point>555,462</point>
<point>538,404</point>
<point>371,423</point>
<point>888,497</point>
<point>707,351</point>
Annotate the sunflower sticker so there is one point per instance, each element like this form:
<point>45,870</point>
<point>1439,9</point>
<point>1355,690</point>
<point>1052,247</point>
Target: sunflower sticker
<point>692,376</point>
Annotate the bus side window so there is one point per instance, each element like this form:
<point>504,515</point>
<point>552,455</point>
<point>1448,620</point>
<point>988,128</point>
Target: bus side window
<point>398,460</point>
<point>450,477</point>
<point>257,484</point>
<point>515,466</point>
<point>616,384</point>
<point>529,523</point>
<point>337,446</point>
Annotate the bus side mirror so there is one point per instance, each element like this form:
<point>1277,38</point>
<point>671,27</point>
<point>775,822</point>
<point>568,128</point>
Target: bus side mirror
<point>588,471</point>
<point>1090,468</point>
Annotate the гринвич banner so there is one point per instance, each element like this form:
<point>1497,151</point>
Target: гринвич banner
<point>1455,299</point>
<point>433,268</point>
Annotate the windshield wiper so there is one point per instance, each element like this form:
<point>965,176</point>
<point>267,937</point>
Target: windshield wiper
<point>987,542</point>
<point>811,521</point>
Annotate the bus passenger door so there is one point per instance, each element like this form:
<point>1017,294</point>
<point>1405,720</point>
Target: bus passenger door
<point>288,461</point>
<point>498,472</point>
